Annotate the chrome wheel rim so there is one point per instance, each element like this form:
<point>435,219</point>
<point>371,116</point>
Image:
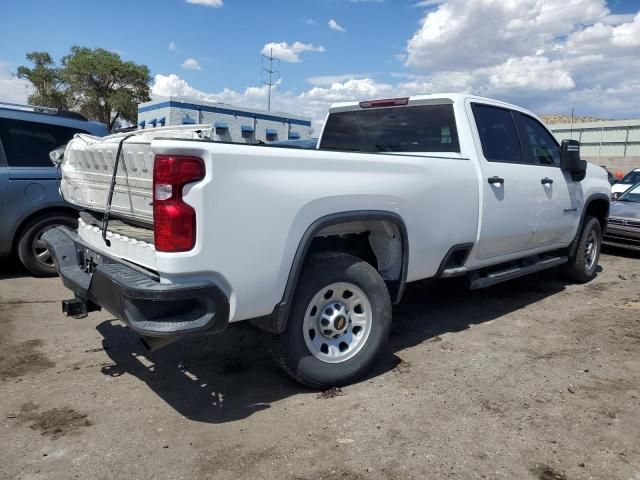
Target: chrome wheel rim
<point>39,249</point>
<point>337,322</point>
<point>591,250</point>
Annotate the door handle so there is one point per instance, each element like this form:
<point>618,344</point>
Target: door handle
<point>495,180</point>
<point>546,181</point>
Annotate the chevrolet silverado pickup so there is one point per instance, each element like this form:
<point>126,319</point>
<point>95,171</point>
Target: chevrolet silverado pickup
<point>181,235</point>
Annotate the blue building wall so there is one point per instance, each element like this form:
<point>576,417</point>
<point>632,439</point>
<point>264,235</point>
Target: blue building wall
<point>233,123</point>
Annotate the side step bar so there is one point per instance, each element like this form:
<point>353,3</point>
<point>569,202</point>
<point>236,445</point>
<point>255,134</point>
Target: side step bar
<point>527,267</point>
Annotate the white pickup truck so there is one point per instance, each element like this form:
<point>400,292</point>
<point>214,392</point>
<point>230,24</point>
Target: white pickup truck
<point>182,235</point>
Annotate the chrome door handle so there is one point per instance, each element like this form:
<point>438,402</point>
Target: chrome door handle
<point>546,181</point>
<point>495,180</point>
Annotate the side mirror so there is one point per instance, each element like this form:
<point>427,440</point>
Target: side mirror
<point>57,155</point>
<point>570,159</point>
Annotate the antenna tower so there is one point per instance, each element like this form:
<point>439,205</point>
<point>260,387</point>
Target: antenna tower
<point>273,75</point>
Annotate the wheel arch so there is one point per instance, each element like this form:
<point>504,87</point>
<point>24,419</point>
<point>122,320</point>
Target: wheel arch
<point>597,205</point>
<point>276,322</point>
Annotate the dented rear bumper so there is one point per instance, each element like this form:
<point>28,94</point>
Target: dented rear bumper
<point>133,294</point>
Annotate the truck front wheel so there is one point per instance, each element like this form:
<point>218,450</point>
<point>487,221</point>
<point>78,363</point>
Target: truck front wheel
<point>338,324</point>
<point>582,265</point>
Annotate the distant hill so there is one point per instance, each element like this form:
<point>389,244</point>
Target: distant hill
<point>554,118</point>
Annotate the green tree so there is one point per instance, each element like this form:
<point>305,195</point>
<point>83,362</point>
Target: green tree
<point>49,88</point>
<point>104,87</point>
<point>96,83</point>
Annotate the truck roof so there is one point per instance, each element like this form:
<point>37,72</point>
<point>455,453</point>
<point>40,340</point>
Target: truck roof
<point>435,97</point>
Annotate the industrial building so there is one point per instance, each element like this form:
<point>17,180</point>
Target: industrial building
<point>611,143</point>
<point>232,123</point>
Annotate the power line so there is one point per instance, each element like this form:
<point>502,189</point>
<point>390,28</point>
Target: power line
<point>273,74</point>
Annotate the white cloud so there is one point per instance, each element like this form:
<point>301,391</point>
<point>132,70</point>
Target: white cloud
<point>429,3</point>
<point>191,64</point>
<point>605,38</point>
<point>12,88</point>
<point>326,80</point>
<point>313,103</point>
<point>208,3</point>
<point>333,25</point>
<point>289,53</point>
<point>485,32</point>
<point>173,47</point>
<point>532,73</point>
<point>546,55</point>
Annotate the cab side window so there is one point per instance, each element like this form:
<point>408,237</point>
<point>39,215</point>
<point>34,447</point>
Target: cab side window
<point>498,134</point>
<point>538,145</point>
<point>27,144</point>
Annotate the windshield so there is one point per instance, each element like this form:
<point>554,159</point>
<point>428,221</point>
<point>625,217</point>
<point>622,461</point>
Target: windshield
<point>631,195</point>
<point>631,178</point>
<point>420,128</point>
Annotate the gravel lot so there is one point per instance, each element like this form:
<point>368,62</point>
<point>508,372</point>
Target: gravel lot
<point>531,379</point>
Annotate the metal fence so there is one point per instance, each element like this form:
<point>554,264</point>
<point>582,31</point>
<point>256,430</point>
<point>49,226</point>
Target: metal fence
<point>615,138</point>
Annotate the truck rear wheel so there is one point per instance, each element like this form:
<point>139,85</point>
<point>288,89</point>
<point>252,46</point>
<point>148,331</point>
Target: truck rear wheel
<point>338,324</point>
<point>582,265</point>
<point>32,251</point>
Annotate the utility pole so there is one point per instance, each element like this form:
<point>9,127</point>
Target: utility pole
<point>273,74</point>
<point>572,123</point>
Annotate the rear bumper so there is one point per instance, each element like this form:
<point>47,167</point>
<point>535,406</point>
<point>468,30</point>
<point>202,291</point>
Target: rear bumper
<point>132,294</point>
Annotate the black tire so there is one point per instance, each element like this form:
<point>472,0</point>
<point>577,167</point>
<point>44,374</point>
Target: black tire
<point>582,266</point>
<point>30,248</point>
<point>290,348</point>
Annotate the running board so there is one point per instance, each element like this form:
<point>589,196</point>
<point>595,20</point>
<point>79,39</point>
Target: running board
<point>527,267</point>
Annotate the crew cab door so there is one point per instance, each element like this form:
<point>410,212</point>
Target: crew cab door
<point>510,196</point>
<point>560,198</point>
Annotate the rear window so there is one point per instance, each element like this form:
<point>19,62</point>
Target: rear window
<point>27,144</point>
<point>422,128</point>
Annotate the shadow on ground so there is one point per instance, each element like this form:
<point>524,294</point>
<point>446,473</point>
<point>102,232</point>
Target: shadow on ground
<point>11,267</point>
<point>621,252</point>
<point>228,377</point>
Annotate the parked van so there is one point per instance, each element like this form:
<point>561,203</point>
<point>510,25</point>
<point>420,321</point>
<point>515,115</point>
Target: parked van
<point>30,202</point>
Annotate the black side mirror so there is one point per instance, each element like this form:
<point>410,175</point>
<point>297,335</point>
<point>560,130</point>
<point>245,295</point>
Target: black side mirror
<point>570,159</point>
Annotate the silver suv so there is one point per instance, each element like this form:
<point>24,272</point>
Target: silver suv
<point>30,202</point>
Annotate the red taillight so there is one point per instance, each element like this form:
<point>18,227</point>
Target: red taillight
<point>386,102</point>
<point>174,221</point>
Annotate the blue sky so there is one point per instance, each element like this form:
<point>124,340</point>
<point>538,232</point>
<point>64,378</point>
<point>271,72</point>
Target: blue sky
<point>540,53</point>
<point>226,41</point>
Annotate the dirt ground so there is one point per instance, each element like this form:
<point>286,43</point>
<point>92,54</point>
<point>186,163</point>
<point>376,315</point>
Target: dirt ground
<point>531,379</point>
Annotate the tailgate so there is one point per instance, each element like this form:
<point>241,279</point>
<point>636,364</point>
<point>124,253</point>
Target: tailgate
<point>88,164</point>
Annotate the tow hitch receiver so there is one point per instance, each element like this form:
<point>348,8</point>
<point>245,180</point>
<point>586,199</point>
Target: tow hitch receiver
<point>78,308</point>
